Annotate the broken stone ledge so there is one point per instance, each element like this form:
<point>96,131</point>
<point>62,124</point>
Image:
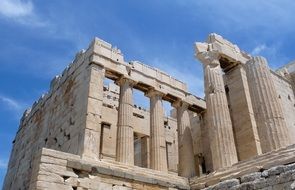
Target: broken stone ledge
<point>61,170</point>
<point>278,165</point>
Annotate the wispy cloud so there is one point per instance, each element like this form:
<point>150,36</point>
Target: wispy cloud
<point>185,74</point>
<point>3,164</point>
<point>273,54</point>
<point>243,15</point>
<point>16,8</point>
<point>21,11</point>
<point>13,105</point>
<point>258,49</point>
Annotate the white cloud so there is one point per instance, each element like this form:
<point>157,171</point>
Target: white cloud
<point>193,80</point>
<point>3,164</point>
<point>11,103</point>
<point>243,14</point>
<point>258,49</point>
<point>16,8</point>
<point>15,106</point>
<point>21,11</point>
<point>272,53</point>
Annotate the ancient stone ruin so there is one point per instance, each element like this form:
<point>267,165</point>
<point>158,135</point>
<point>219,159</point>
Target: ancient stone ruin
<point>83,134</point>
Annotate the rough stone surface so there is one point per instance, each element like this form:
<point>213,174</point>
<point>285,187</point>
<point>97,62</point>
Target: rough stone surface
<point>279,178</point>
<point>268,111</point>
<point>103,174</point>
<point>84,134</point>
<point>221,136</point>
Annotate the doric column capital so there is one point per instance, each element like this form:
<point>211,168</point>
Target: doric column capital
<point>180,103</point>
<point>153,92</point>
<point>257,60</point>
<point>210,58</point>
<point>123,80</point>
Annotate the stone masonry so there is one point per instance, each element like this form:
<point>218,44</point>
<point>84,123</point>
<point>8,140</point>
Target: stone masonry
<point>87,134</point>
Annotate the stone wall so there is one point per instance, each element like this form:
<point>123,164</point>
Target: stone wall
<point>282,158</point>
<point>63,171</point>
<point>276,178</point>
<point>55,121</point>
<point>58,121</point>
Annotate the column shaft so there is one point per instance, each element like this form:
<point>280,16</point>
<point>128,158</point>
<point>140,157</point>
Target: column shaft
<point>268,112</point>
<point>242,115</point>
<point>125,138</point>
<point>186,166</point>
<point>220,127</point>
<point>158,160</point>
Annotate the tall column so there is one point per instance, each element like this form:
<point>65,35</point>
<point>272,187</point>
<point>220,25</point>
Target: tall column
<point>186,165</point>
<point>271,124</point>
<point>125,136</point>
<point>241,110</point>
<point>221,136</point>
<point>158,160</point>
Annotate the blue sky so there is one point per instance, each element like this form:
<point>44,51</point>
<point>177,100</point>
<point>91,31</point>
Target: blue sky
<point>39,38</point>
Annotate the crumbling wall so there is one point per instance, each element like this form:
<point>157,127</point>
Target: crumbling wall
<point>277,178</point>
<point>55,121</point>
<point>58,170</point>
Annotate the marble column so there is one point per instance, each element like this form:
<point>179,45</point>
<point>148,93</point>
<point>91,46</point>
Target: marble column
<point>269,116</point>
<point>186,165</point>
<point>158,160</point>
<point>242,114</point>
<point>125,135</point>
<point>221,136</point>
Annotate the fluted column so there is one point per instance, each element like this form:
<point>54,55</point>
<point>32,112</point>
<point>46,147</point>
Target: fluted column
<point>186,165</point>
<point>125,138</point>
<point>158,160</point>
<point>220,126</point>
<point>271,124</point>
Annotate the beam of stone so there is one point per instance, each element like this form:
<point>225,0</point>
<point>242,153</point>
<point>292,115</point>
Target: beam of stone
<point>158,158</point>
<point>221,136</point>
<point>125,134</point>
<point>111,58</point>
<point>271,124</point>
<point>186,165</point>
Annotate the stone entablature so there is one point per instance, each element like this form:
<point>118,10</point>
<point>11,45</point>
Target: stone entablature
<point>99,49</point>
<point>144,76</point>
